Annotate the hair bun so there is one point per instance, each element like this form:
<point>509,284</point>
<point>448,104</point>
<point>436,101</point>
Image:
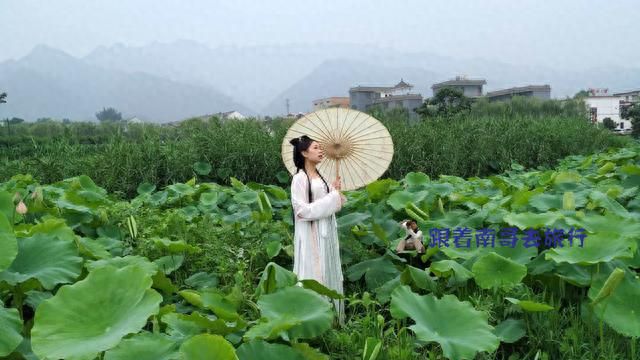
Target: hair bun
<point>294,141</point>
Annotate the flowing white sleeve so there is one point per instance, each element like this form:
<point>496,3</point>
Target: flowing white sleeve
<point>320,208</point>
<point>343,199</point>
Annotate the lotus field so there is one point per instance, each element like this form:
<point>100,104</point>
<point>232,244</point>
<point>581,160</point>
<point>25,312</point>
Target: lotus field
<point>202,271</point>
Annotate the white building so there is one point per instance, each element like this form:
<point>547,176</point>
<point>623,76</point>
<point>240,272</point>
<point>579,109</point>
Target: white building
<point>231,115</point>
<point>606,106</point>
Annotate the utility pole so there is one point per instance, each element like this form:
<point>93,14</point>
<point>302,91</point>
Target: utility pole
<point>287,106</point>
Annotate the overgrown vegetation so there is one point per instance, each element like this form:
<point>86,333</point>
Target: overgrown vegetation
<point>486,141</point>
<point>200,268</point>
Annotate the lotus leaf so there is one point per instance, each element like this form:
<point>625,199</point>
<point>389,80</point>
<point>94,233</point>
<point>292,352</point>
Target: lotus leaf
<point>8,243</point>
<point>11,326</point>
<point>262,350</point>
<point>144,346</point>
<point>94,314</point>
<point>460,336</point>
<point>493,270</point>
<point>309,314</point>
<point>207,347</point>
<point>49,259</point>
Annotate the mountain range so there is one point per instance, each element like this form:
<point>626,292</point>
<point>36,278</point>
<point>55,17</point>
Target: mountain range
<point>170,81</point>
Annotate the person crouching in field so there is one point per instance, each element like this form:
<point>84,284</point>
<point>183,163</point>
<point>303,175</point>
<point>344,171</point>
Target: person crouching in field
<point>413,239</point>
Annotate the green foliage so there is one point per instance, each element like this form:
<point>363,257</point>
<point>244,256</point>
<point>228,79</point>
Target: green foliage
<point>609,123</point>
<point>447,102</point>
<point>197,274</point>
<point>633,112</point>
<point>109,114</point>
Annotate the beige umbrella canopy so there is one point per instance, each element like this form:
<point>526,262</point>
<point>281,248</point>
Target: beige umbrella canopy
<point>356,145</point>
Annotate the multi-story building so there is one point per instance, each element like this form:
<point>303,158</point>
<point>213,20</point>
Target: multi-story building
<point>388,97</point>
<point>601,105</point>
<point>331,102</point>
<point>470,87</point>
<point>536,91</point>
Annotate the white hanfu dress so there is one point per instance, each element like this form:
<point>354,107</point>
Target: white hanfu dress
<point>316,247</point>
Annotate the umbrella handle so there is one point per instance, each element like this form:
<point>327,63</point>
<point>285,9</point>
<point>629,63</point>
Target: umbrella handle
<point>338,169</point>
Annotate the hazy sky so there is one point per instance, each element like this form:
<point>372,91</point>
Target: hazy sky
<point>563,33</point>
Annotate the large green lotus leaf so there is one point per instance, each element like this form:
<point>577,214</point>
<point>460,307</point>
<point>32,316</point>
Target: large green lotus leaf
<point>416,179</point>
<point>52,227</point>
<point>121,262</point>
<point>532,220</point>
<point>180,189</point>
<point>11,325</point>
<point>376,271</point>
<point>378,189</point>
<point>510,330</point>
<point>7,208</point>
<point>8,243</point>
<point>207,347</point>
<point>520,254</point>
<point>574,274</point>
<point>274,277</point>
<point>447,268</point>
<point>145,188</point>
<point>399,199</point>
<point>546,202</point>
<point>262,350</point>
<point>183,326</point>
<point>169,264</point>
<point>220,305</point>
<point>311,313</point>
<point>622,310</point>
<point>611,205</point>
<point>601,247</point>
<point>418,278</point>
<point>352,219</point>
<point>144,346</point>
<point>460,336</point>
<point>94,314</point>
<point>493,270</point>
<point>49,259</point>
<point>308,352</point>
<point>383,293</point>
<point>607,224</point>
<point>202,280</point>
<point>92,248</point>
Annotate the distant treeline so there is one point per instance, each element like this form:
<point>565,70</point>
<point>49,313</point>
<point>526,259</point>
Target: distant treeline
<point>120,156</point>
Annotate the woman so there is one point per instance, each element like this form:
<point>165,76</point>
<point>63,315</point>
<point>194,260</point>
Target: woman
<point>314,202</point>
<point>413,238</point>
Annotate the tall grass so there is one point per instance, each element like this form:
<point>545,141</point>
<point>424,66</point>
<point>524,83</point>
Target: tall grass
<point>120,157</point>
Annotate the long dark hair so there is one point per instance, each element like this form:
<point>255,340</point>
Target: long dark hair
<point>301,144</point>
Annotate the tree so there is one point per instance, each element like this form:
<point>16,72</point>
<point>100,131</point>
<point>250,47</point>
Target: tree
<point>632,113</point>
<point>108,114</point>
<point>581,94</point>
<point>609,123</point>
<point>447,102</point>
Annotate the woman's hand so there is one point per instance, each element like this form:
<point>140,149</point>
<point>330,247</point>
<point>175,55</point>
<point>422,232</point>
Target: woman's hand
<point>336,184</point>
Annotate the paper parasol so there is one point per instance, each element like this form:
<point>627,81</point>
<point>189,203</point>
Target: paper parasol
<point>356,145</point>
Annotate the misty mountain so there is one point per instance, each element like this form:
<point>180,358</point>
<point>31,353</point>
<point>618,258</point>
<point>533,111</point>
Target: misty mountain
<point>50,83</point>
<point>169,81</point>
<point>262,77</point>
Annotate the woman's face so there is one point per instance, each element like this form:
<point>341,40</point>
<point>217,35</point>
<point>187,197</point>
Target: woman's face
<point>314,153</point>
